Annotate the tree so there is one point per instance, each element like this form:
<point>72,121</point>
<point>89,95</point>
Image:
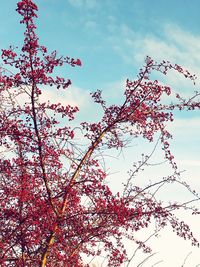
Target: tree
<point>55,203</point>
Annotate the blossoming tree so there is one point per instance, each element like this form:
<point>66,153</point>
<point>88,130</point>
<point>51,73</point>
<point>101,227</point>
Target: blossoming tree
<point>55,203</point>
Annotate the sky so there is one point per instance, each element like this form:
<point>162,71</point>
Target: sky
<point>112,39</point>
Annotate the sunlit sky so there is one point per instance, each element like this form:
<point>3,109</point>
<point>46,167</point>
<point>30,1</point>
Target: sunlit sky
<point>112,38</point>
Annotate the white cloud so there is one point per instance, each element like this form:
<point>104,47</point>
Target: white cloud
<point>73,96</point>
<point>191,163</point>
<point>188,127</point>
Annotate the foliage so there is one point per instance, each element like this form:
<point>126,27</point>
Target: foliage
<point>55,203</point>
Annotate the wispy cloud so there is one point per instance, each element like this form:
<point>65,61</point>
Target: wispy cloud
<point>90,25</point>
<point>90,4</point>
<point>173,43</point>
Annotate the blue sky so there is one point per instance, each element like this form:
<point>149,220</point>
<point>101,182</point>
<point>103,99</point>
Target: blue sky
<point>112,38</point>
